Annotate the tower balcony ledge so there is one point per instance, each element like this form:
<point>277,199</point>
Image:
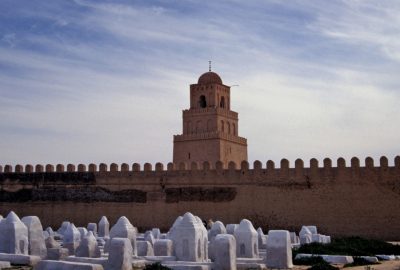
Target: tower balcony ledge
<point>210,135</point>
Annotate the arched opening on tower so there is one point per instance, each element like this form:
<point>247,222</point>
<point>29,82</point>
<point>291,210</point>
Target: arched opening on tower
<point>222,102</point>
<point>202,101</point>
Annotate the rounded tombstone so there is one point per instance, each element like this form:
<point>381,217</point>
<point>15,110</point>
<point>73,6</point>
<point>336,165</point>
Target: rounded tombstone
<point>60,168</point>
<point>81,168</point>
<point>28,168</point>
<point>246,240</point>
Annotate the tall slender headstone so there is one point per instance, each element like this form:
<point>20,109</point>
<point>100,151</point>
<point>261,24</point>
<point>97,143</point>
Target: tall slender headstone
<point>37,245</point>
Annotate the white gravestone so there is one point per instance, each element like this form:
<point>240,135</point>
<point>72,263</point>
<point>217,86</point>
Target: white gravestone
<point>13,235</point>
<point>36,244</point>
<point>246,240</point>
<point>279,250</point>
<point>225,252</point>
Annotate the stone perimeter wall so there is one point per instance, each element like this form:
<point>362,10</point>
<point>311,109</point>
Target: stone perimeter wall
<point>341,201</point>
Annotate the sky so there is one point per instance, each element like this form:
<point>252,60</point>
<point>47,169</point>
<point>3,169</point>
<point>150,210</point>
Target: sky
<point>90,81</point>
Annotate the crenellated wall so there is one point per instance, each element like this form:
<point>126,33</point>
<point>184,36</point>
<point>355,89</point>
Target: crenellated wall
<point>348,199</point>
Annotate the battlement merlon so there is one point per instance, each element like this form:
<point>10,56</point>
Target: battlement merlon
<point>299,167</point>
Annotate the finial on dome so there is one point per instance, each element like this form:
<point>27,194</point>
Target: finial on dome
<point>209,65</point>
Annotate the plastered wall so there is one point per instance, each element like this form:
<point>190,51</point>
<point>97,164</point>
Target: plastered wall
<point>344,200</point>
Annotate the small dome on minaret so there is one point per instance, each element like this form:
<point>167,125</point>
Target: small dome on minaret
<point>209,78</point>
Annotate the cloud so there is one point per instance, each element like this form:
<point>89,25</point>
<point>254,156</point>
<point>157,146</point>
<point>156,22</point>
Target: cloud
<point>100,81</point>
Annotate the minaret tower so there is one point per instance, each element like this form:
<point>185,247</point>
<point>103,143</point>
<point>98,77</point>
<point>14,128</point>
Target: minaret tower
<point>210,128</point>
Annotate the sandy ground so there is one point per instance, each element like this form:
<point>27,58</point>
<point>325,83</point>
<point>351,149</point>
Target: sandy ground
<point>388,265</point>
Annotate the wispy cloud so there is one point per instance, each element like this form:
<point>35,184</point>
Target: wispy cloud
<point>93,81</point>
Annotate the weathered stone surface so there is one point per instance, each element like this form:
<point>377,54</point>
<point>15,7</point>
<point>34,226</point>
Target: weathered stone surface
<point>64,265</point>
<point>124,229</point>
<point>83,231</point>
<point>163,247</point>
<point>230,228</point>
<point>246,240</point>
<point>104,227</point>
<point>20,259</point>
<point>88,247</point>
<point>190,239</point>
<point>216,194</point>
<point>71,239</point>
<point>51,243</point>
<point>93,228</point>
<point>279,250</point>
<point>144,248</point>
<point>156,233</point>
<point>262,239</point>
<point>148,236</point>
<point>13,235</point>
<point>120,255</point>
<point>4,264</point>
<point>57,253</point>
<point>63,227</point>
<point>216,228</point>
<point>36,244</point>
<point>225,252</point>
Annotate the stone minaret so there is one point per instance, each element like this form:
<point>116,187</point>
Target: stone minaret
<point>210,128</point>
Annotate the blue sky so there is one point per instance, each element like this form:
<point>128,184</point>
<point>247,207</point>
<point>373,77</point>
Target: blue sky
<point>105,81</point>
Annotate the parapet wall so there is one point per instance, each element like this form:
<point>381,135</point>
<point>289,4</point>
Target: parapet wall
<point>341,200</point>
<point>258,166</point>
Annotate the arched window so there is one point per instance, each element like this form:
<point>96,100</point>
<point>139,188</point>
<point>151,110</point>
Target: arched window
<point>222,102</point>
<point>229,127</point>
<point>202,101</point>
<point>234,129</point>
<point>222,126</point>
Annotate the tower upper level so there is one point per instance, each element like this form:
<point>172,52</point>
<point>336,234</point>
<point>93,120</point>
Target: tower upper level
<point>209,92</point>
